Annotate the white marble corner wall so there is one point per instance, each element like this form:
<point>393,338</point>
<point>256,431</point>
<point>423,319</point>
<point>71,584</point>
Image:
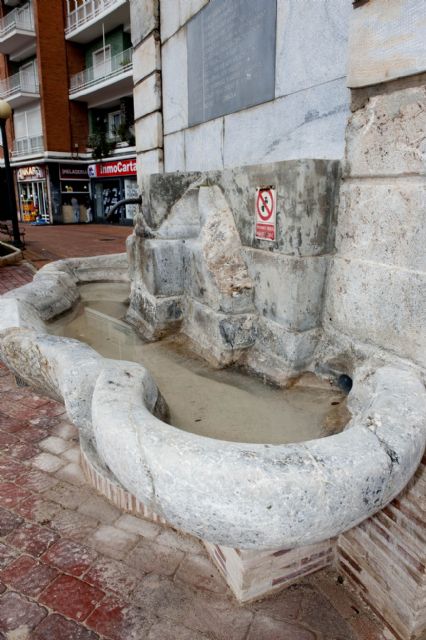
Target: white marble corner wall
<point>308,116</point>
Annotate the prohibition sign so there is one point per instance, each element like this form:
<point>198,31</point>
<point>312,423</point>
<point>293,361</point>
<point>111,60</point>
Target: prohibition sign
<point>265,201</point>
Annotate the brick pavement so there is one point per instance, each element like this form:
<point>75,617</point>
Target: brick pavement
<point>73,567</point>
<point>47,243</point>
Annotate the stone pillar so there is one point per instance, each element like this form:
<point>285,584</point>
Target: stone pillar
<point>376,290</point>
<point>147,85</point>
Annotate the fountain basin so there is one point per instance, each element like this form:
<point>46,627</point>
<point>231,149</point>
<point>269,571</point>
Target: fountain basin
<point>245,495</point>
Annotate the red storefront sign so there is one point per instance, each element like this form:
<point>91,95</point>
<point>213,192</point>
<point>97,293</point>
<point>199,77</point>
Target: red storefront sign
<point>113,169</point>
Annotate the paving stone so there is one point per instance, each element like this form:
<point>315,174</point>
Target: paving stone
<point>20,412</point>
<point>2,588</point>
<point>112,575</point>
<point>32,433</point>
<point>32,538</point>
<point>11,494</point>
<point>11,469</point>
<point>28,576</point>
<point>119,621</point>
<point>7,555</point>
<point>71,597</point>
<point>112,541</point>
<point>7,440</point>
<point>52,409</point>
<point>65,430</point>
<point>203,612</point>
<point>153,557</point>
<point>282,606</point>
<point>72,455</point>
<point>38,510</point>
<point>319,615</point>
<point>44,422</point>
<point>70,556</point>
<point>47,462</point>
<point>264,628</point>
<point>170,631</point>
<point>23,451</point>
<point>68,496</point>
<point>100,509</point>
<point>10,425</point>
<point>72,473</point>
<point>8,522</point>
<point>200,572</point>
<point>36,481</point>
<point>139,526</point>
<point>74,525</point>
<point>17,613</point>
<point>53,444</point>
<point>55,627</point>
<point>172,538</point>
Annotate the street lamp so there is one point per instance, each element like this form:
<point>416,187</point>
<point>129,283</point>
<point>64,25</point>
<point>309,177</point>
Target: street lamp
<point>5,113</point>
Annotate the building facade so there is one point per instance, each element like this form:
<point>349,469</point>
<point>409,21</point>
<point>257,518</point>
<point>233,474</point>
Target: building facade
<point>66,70</point>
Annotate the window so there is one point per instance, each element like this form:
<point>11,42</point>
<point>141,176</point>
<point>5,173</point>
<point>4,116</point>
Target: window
<point>101,62</point>
<point>27,123</point>
<point>114,122</point>
<point>28,77</point>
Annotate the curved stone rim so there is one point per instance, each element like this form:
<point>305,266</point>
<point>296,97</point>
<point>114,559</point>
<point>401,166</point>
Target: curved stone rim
<point>277,496</point>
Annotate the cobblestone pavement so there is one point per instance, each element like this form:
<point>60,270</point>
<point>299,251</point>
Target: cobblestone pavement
<point>73,567</point>
<point>52,242</point>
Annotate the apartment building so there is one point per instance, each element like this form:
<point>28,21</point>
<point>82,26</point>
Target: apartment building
<point>66,70</point>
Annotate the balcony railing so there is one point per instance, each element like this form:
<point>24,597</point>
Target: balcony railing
<point>88,10</point>
<point>19,83</point>
<point>28,146</point>
<point>20,18</point>
<point>109,68</point>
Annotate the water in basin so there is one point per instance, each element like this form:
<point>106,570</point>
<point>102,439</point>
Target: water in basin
<point>225,404</point>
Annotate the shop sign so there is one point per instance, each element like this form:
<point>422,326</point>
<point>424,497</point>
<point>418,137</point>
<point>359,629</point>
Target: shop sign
<point>28,174</point>
<point>114,169</point>
<point>73,172</point>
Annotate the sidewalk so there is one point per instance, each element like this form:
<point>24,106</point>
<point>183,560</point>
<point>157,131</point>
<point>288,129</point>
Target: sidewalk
<point>48,243</point>
<point>74,567</point>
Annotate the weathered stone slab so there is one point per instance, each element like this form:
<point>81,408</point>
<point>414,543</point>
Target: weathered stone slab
<point>147,95</point>
<point>385,137</point>
<point>231,58</point>
<point>149,132</point>
<point>324,23</point>
<point>174,152</point>
<point>386,41</point>
<point>383,222</point>
<point>175,83</point>
<point>373,303</point>
<point>309,124</point>
<point>288,291</point>
<point>144,17</point>
<point>204,146</point>
<point>146,58</point>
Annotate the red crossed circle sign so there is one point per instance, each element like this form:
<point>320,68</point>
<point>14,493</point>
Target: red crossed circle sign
<point>265,204</point>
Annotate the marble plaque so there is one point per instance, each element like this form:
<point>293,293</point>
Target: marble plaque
<point>231,57</point>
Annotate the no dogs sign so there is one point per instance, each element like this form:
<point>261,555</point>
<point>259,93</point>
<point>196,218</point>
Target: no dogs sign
<point>266,209</point>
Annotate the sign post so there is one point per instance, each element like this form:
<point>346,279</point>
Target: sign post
<point>266,213</point>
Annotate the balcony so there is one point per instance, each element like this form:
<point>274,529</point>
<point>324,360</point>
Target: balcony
<point>86,17</point>
<point>33,145</point>
<point>105,83</point>
<point>17,33</point>
<point>20,89</point>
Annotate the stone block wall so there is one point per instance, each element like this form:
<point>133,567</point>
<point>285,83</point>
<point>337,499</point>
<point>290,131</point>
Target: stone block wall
<point>288,275</point>
<point>144,15</point>
<point>375,294</point>
<point>305,119</point>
